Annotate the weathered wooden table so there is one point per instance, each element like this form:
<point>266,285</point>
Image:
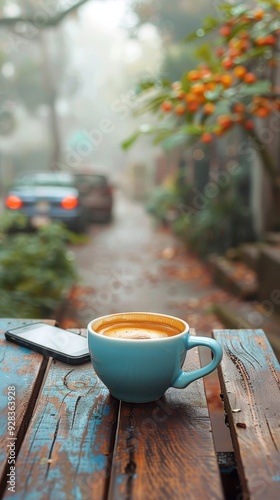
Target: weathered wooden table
<point>72,440</point>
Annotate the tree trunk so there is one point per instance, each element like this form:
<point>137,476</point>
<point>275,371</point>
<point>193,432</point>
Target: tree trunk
<point>48,82</point>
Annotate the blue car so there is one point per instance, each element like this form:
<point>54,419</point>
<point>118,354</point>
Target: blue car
<point>48,196</point>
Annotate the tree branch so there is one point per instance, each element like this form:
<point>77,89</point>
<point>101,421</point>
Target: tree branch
<point>39,22</point>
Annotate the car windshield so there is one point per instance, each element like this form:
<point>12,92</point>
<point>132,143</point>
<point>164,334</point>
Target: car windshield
<point>48,179</point>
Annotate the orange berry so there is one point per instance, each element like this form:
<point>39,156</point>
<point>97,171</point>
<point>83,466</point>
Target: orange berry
<point>227,63</point>
<point>226,80</point>
<point>270,40</point>
<point>260,41</point>
<point>193,75</point>
<point>262,112</point>
<point>210,86</point>
<point>166,106</point>
<point>225,31</point>
<point>258,14</point>
<point>180,109</point>
<point>198,88</point>
<point>206,137</point>
<point>239,107</point>
<point>240,71</point>
<point>233,52</point>
<point>265,40</point>
<point>224,121</point>
<point>189,97</point>
<point>250,78</point>
<point>209,108</point>
<point>201,99</point>
<point>205,72</point>
<point>193,106</point>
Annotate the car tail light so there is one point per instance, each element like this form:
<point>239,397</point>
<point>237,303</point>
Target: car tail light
<point>13,202</point>
<point>69,202</point>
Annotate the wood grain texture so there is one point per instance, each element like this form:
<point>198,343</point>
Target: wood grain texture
<point>23,369</point>
<point>164,449</point>
<point>66,452</point>
<point>249,375</point>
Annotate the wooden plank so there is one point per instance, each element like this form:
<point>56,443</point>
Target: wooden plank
<point>249,376</point>
<point>66,451</point>
<point>165,449</point>
<point>16,363</point>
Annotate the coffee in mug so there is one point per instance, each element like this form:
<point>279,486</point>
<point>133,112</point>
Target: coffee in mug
<point>138,330</point>
<point>139,355</point>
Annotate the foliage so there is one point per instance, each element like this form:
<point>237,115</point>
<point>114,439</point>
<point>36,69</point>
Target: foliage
<point>221,223</point>
<point>165,199</point>
<point>162,202</point>
<point>235,85</point>
<point>36,270</point>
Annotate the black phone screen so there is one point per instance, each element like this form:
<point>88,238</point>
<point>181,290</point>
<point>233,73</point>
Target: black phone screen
<point>52,338</point>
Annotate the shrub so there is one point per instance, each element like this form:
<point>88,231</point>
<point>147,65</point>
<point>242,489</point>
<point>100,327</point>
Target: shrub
<point>36,269</point>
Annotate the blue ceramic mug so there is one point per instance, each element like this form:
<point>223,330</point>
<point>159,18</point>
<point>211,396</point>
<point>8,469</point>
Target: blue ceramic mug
<point>139,355</point>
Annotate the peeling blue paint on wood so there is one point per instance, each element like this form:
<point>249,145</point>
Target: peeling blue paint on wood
<point>66,453</point>
<point>22,369</point>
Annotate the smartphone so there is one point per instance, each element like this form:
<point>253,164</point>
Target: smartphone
<point>51,341</point>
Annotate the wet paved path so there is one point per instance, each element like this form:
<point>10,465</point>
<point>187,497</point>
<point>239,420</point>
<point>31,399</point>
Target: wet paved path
<point>133,265</point>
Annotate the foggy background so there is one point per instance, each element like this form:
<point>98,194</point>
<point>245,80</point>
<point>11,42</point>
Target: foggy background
<point>67,91</point>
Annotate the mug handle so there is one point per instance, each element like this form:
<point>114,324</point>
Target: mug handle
<point>186,378</point>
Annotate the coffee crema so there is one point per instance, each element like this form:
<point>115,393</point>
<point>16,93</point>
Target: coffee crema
<point>134,330</point>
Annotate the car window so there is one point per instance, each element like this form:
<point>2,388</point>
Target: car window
<point>51,179</point>
<point>91,180</point>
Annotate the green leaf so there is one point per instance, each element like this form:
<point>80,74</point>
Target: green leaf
<point>127,143</point>
<point>143,86</point>
<point>204,52</point>
<point>146,129</point>
<point>238,10</point>
<point>210,23</point>
<point>151,84</point>
<point>275,25</point>
<point>258,88</point>
<point>190,129</point>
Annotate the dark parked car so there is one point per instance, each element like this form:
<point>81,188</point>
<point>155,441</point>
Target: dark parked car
<point>97,193</point>
<point>50,196</point>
